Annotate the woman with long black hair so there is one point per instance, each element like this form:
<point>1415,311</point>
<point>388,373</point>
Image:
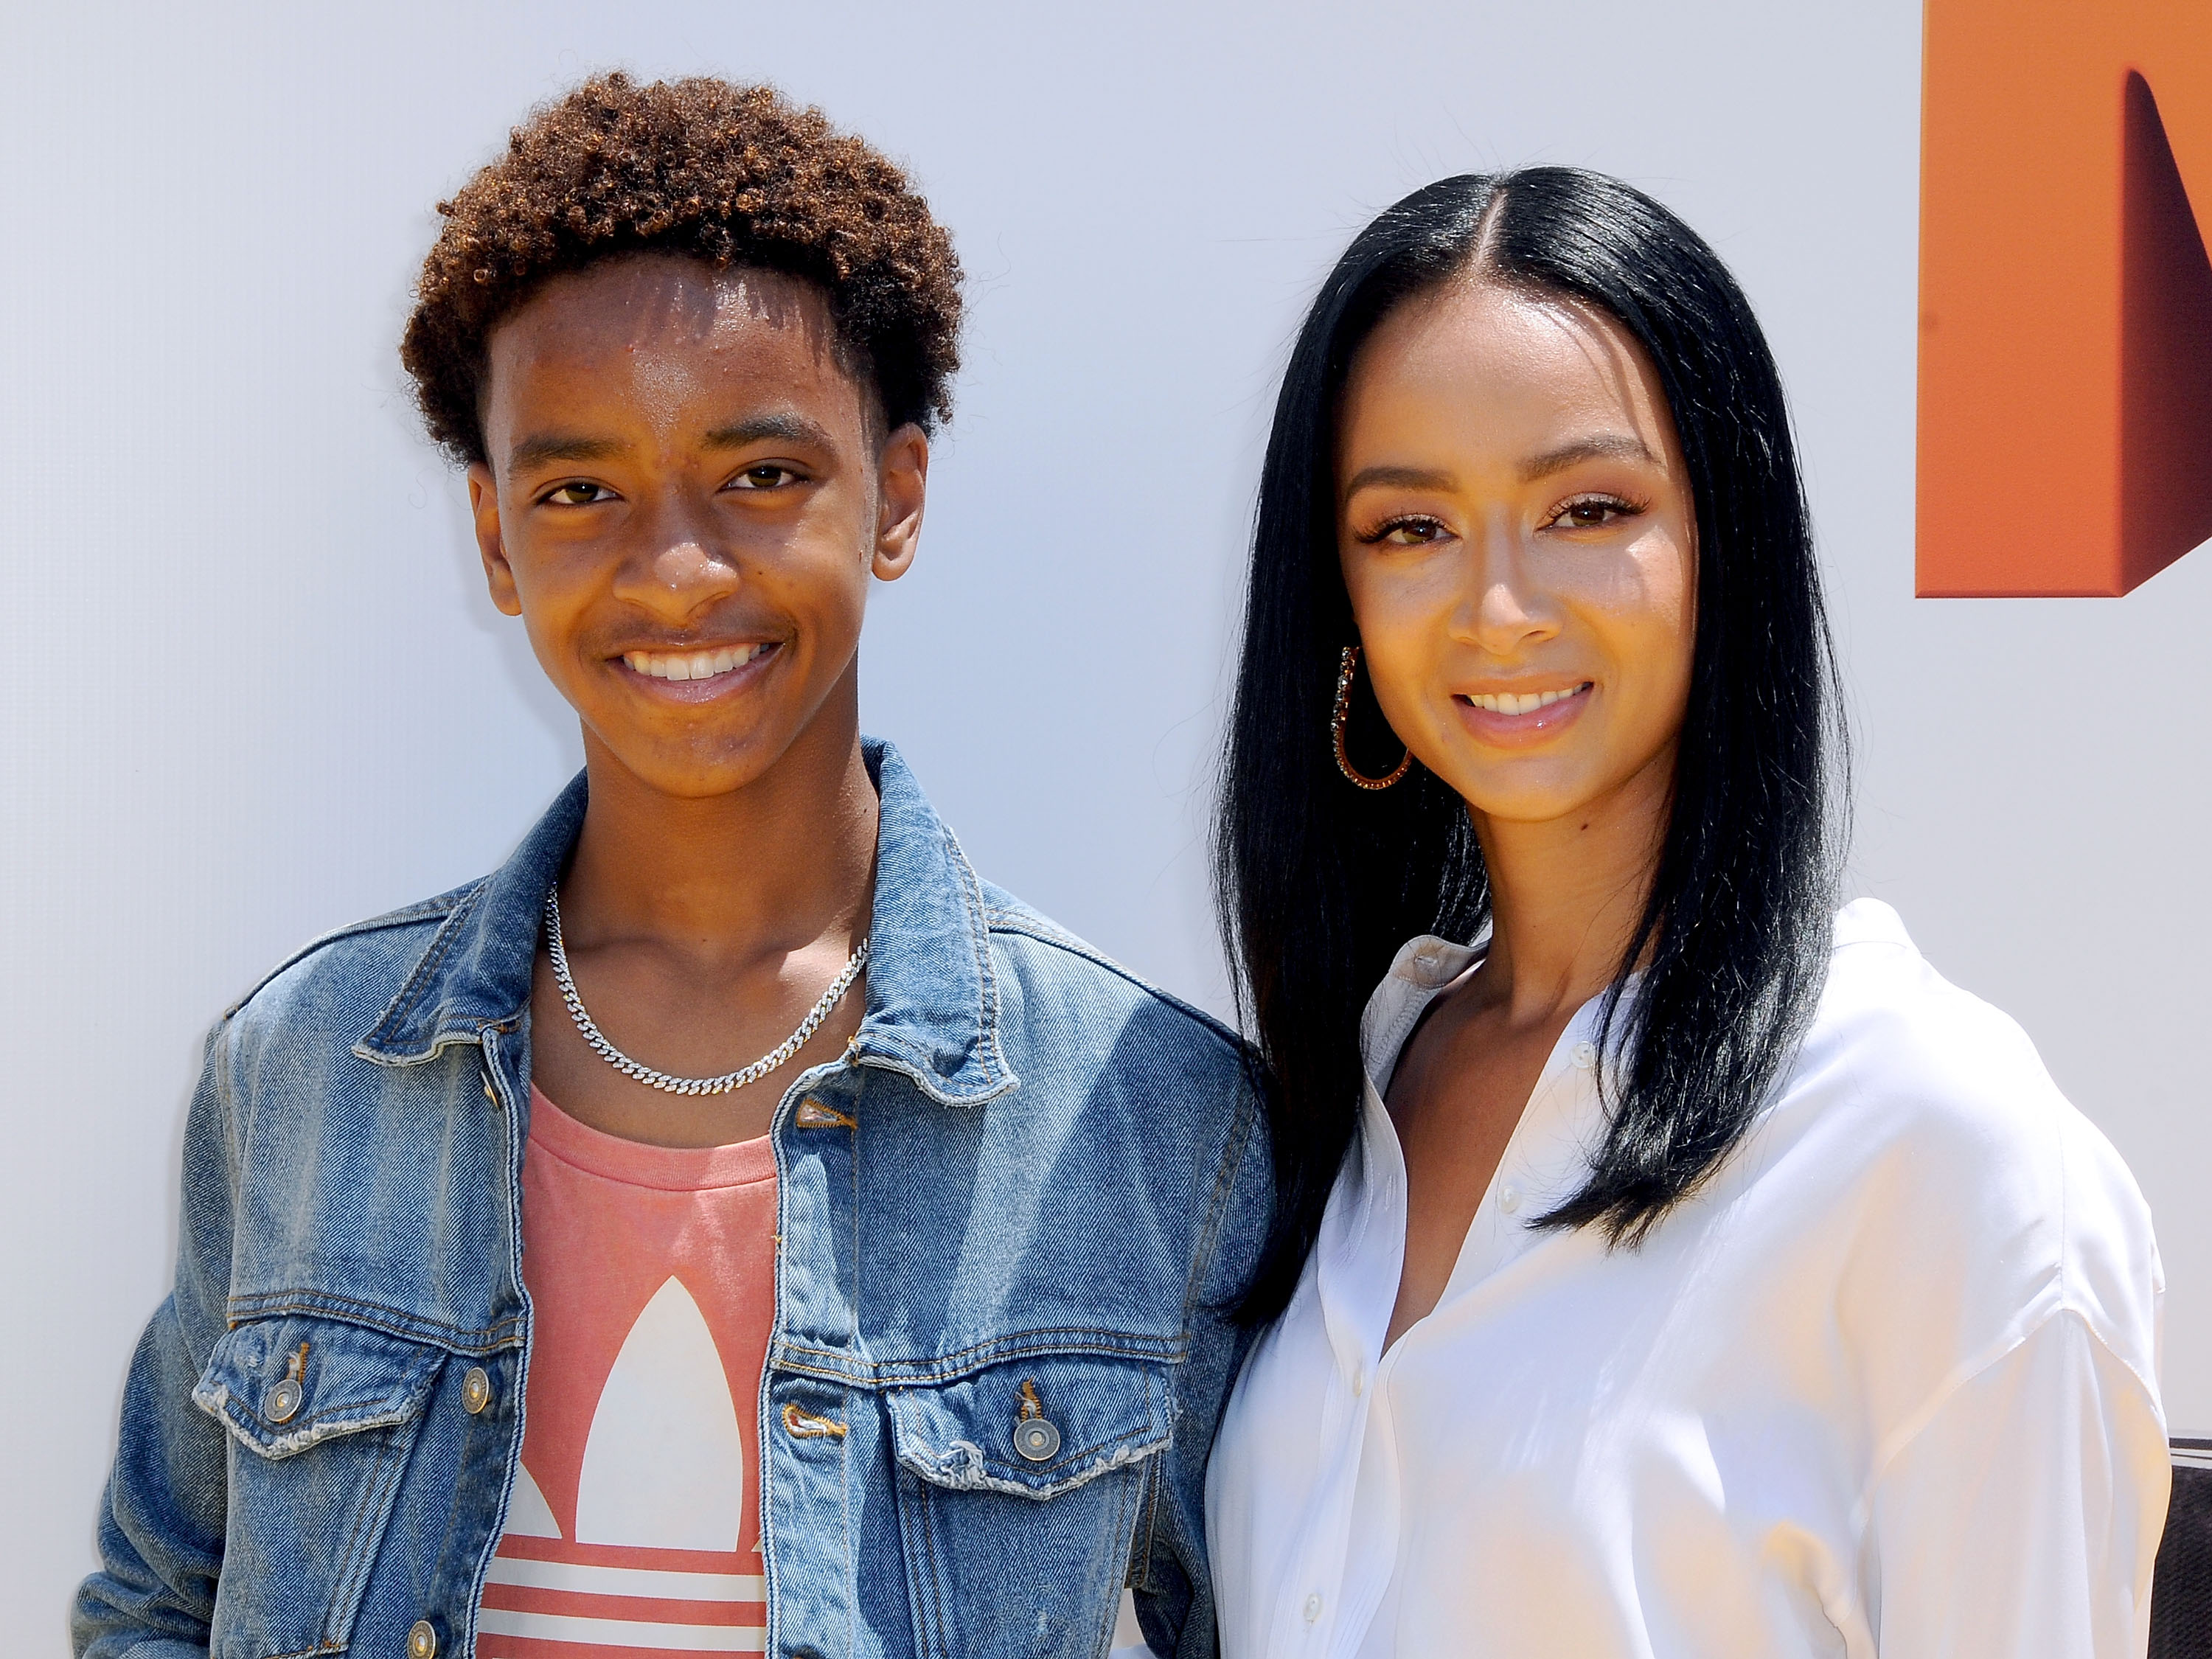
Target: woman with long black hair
<point>1665,1263</point>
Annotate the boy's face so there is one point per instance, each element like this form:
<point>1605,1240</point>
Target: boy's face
<point>687,495</point>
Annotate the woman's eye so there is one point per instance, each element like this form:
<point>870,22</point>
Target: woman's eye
<point>1409,532</point>
<point>1592,513</point>
<point>765,476</point>
<point>578,492</point>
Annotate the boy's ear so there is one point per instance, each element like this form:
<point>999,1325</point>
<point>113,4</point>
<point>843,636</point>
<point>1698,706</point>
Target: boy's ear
<point>901,481</point>
<point>484,508</point>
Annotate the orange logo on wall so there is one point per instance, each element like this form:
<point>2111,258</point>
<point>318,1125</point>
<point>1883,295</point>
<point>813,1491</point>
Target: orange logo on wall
<point>2065,443</point>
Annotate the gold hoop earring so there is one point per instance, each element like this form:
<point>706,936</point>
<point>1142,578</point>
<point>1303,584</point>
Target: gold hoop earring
<point>1349,666</point>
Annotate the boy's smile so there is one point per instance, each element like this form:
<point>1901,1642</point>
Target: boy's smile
<point>694,669</point>
<point>688,493</point>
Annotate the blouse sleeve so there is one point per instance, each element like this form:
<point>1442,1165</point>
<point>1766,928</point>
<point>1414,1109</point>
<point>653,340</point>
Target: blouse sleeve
<point>2023,1517</point>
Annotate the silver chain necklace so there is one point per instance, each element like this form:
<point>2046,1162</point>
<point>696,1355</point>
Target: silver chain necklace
<point>688,1085</point>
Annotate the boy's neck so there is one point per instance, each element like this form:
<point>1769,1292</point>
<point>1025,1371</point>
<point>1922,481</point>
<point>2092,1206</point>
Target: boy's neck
<point>730,878</point>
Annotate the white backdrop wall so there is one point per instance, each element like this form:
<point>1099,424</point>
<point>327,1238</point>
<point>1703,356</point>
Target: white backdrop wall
<point>252,688</point>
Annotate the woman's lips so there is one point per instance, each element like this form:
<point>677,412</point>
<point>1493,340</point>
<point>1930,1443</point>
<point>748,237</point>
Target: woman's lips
<point>697,676</point>
<point>1519,719</point>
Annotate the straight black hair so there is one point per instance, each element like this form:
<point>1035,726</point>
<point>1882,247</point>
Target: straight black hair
<point>1320,883</point>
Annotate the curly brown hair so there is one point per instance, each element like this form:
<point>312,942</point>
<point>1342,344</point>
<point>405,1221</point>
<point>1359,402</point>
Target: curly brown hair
<point>724,174</point>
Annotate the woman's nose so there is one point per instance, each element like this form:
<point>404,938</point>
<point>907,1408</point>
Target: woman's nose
<point>1503,609</point>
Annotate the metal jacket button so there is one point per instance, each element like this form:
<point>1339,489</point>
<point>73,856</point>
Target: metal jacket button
<point>1034,1437</point>
<point>422,1640</point>
<point>476,1391</point>
<point>1037,1440</point>
<point>283,1404</point>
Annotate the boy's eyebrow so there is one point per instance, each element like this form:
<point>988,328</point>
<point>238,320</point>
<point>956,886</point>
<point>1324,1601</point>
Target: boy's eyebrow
<point>560,446</point>
<point>567,446</point>
<point>790,428</point>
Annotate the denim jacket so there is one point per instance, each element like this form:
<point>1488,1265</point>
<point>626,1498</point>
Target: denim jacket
<point>1033,1168</point>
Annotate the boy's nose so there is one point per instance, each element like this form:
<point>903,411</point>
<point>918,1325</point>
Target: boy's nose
<point>677,566</point>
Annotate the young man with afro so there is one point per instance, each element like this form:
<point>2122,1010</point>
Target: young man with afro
<point>730,1225</point>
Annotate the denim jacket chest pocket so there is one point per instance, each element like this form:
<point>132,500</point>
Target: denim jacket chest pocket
<point>1028,1477</point>
<point>322,1415</point>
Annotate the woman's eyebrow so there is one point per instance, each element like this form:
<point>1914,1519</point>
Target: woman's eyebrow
<point>1396,478</point>
<point>1606,446</point>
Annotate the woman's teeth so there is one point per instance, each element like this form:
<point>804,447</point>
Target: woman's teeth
<point>691,664</point>
<point>1505,702</point>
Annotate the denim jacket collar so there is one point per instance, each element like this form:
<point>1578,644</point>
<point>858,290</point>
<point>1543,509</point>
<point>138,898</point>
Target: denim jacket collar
<point>933,1010</point>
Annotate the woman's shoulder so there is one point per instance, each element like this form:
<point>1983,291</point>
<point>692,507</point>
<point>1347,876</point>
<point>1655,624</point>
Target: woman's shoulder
<point>1921,1060</point>
<point>1967,1177</point>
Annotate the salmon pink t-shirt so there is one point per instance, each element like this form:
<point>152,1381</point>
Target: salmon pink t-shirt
<point>634,1526</point>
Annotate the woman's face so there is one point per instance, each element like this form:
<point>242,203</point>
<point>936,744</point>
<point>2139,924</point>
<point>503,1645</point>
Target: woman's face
<point>1516,533</point>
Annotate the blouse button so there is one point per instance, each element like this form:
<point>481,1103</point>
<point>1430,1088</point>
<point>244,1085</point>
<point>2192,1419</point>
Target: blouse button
<point>1358,1381</point>
<point>1585,1055</point>
<point>1313,1606</point>
<point>476,1391</point>
<point>1509,1200</point>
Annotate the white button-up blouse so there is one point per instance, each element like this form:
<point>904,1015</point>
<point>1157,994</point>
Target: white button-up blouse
<point>1886,1384</point>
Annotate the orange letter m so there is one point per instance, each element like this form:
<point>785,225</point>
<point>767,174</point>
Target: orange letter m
<point>2065,442</point>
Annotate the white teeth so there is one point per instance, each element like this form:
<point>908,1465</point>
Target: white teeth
<point>1525,702</point>
<point>692,666</point>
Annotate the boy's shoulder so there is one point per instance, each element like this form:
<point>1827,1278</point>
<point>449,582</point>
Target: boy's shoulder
<point>1055,967</point>
<point>351,973</point>
<point>1062,992</point>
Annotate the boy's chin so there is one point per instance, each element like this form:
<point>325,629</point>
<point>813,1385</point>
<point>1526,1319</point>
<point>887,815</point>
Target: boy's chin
<point>681,773</point>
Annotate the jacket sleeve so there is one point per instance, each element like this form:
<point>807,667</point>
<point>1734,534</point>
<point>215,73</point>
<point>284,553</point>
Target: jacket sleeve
<point>161,1532</point>
<point>1170,1573</point>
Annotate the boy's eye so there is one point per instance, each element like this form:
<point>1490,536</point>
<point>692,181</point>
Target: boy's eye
<point>766,476</point>
<point>578,492</point>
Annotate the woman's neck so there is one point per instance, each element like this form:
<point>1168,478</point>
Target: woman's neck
<point>1566,894</point>
<point>727,880</point>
